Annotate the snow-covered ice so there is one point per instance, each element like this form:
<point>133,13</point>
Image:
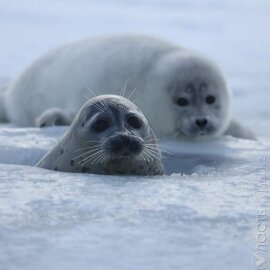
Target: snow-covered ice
<point>203,214</point>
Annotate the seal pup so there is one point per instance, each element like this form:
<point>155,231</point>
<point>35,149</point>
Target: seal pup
<point>181,93</point>
<point>109,135</point>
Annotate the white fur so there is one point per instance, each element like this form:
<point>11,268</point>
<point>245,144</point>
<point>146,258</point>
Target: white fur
<point>65,77</point>
<point>3,113</point>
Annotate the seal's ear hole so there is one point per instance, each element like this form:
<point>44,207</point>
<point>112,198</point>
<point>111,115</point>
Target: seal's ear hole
<point>134,121</point>
<point>182,102</point>
<point>101,125</point>
<point>210,99</point>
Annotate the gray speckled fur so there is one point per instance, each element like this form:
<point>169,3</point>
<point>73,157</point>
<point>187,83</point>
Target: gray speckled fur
<point>63,155</point>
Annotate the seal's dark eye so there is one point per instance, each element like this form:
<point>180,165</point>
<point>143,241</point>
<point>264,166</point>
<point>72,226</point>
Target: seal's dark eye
<point>100,125</point>
<point>182,102</point>
<point>210,99</point>
<point>134,122</point>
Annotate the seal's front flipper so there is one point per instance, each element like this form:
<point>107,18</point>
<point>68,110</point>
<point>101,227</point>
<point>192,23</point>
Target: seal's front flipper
<point>53,117</point>
<point>235,129</point>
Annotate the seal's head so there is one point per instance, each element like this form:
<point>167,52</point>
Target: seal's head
<point>113,134</point>
<point>200,98</point>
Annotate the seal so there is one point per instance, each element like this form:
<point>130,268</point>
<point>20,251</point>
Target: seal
<point>181,93</point>
<point>110,136</point>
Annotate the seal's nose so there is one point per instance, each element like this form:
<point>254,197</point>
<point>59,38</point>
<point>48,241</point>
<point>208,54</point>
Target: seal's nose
<point>201,122</point>
<point>125,144</point>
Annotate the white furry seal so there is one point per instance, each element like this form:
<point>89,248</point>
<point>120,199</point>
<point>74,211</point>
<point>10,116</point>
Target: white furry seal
<point>179,92</point>
<point>109,135</point>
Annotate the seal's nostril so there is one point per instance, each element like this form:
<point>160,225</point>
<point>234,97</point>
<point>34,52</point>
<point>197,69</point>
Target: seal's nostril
<point>201,123</point>
<point>125,139</point>
<point>117,145</point>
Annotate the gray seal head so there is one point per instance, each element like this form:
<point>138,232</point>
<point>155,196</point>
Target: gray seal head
<point>109,135</point>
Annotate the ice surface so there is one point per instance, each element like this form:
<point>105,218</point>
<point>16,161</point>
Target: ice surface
<point>203,214</point>
<point>52,220</point>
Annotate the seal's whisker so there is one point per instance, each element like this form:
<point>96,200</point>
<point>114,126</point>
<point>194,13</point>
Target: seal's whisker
<point>97,153</point>
<point>157,154</point>
<point>93,146</point>
<point>83,157</point>
<point>88,148</point>
<point>152,140</point>
<point>123,90</point>
<point>134,100</point>
<point>166,152</point>
<point>92,91</point>
<point>84,154</point>
<point>92,141</point>
<point>164,145</point>
<point>91,155</point>
<point>100,157</point>
<point>86,160</point>
<point>98,106</point>
<point>152,147</point>
<point>101,108</point>
<point>108,158</point>
<point>89,152</point>
<point>132,93</point>
<point>146,156</point>
<point>140,156</point>
<point>150,157</point>
<point>153,154</point>
<point>104,158</point>
<point>103,105</point>
<point>157,145</point>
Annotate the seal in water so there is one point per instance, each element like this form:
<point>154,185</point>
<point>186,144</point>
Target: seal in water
<point>109,135</point>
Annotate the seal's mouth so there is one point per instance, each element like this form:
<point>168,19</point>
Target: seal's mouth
<point>125,155</point>
<point>193,131</point>
<point>122,148</point>
<point>194,134</point>
<point>128,154</point>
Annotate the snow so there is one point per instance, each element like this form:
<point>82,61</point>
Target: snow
<point>203,214</point>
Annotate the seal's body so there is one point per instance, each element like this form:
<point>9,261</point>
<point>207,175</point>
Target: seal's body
<point>109,135</point>
<point>179,92</point>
